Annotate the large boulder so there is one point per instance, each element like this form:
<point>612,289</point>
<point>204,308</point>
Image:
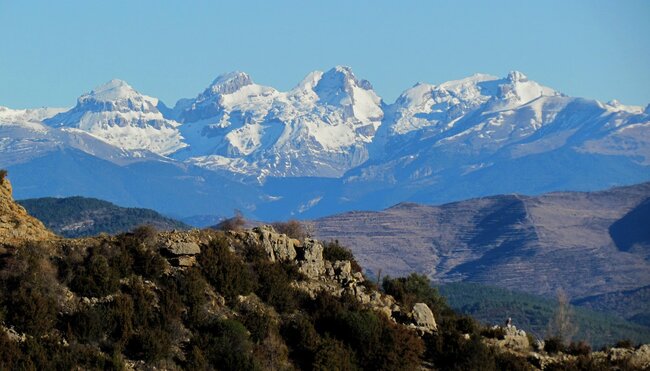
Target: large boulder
<point>182,248</point>
<point>423,318</point>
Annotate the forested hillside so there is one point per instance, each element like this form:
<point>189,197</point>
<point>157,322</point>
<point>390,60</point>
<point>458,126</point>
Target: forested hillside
<point>81,216</point>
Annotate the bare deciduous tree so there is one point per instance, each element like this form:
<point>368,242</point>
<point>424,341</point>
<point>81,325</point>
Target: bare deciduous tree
<point>562,325</point>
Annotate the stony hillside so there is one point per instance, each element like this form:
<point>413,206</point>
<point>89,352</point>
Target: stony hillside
<point>15,224</point>
<point>81,216</point>
<point>242,300</point>
<point>531,244</point>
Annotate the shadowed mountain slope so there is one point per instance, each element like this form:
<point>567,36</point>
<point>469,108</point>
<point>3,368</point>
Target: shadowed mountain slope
<point>532,244</point>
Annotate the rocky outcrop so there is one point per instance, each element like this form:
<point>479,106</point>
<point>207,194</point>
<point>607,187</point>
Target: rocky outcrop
<point>278,247</point>
<point>637,358</point>
<point>16,225</point>
<point>335,278</point>
<point>423,318</point>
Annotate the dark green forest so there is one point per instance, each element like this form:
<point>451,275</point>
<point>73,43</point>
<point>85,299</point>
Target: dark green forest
<point>532,313</point>
<point>81,216</point>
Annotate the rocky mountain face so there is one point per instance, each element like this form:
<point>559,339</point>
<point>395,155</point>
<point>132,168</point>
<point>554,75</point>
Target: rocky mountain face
<point>532,244</point>
<point>121,116</point>
<point>319,128</point>
<point>331,144</point>
<point>16,226</point>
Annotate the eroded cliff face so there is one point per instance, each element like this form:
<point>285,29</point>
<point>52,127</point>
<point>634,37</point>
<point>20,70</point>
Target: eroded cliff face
<point>16,225</point>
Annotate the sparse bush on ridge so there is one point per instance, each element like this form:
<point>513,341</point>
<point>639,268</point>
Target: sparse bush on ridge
<point>333,251</point>
<point>3,175</point>
<point>235,223</point>
<point>292,228</point>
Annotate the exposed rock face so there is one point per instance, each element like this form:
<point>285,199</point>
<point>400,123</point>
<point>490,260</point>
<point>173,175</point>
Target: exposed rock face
<point>423,318</point>
<point>279,247</point>
<point>310,259</point>
<point>183,248</point>
<point>16,226</point>
<point>335,278</point>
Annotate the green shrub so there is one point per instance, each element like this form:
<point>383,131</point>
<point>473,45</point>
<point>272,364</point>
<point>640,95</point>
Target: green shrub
<point>148,263</point>
<point>96,277</point>
<point>511,362</point>
<point>379,344</point>
<point>145,234</point>
<point>10,353</point>
<point>225,345</point>
<point>120,319</point>
<point>274,287</point>
<point>415,288</point>
<point>333,251</point>
<point>151,344</point>
<point>554,345</point>
<point>227,273</point>
<point>302,339</point>
<point>449,350</point>
<point>30,290</point>
<point>580,348</point>
<point>494,333</point>
<point>89,325</point>
<point>334,355</point>
<point>3,175</point>
<point>193,287</point>
<point>625,343</point>
<point>258,323</point>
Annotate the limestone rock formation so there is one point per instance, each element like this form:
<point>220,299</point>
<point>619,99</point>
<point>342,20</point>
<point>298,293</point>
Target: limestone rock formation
<point>336,278</point>
<point>423,318</point>
<point>279,247</point>
<point>16,225</point>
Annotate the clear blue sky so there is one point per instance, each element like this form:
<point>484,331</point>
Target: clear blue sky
<point>53,51</point>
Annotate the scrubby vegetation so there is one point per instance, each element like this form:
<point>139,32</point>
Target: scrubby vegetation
<point>100,303</point>
<point>333,251</point>
<point>3,175</point>
<point>234,223</point>
<point>116,301</point>
<point>292,228</point>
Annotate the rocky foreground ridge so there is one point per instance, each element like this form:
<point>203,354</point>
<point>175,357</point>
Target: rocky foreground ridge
<point>15,224</point>
<point>243,299</point>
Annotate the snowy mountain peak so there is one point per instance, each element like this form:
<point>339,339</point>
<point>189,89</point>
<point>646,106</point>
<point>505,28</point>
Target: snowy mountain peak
<point>516,76</point>
<point>516,89</point>
<point>342,77</point>
<point>119,115</point>
<point>112,91</point>
<point>229,83</point>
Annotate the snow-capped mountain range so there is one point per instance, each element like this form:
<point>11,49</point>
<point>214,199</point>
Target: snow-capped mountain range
<point>432,143</point>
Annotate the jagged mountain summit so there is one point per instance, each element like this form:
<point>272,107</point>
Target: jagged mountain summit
<point>331,144</point>
<point>320,128</point>
<point>121,116</point>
